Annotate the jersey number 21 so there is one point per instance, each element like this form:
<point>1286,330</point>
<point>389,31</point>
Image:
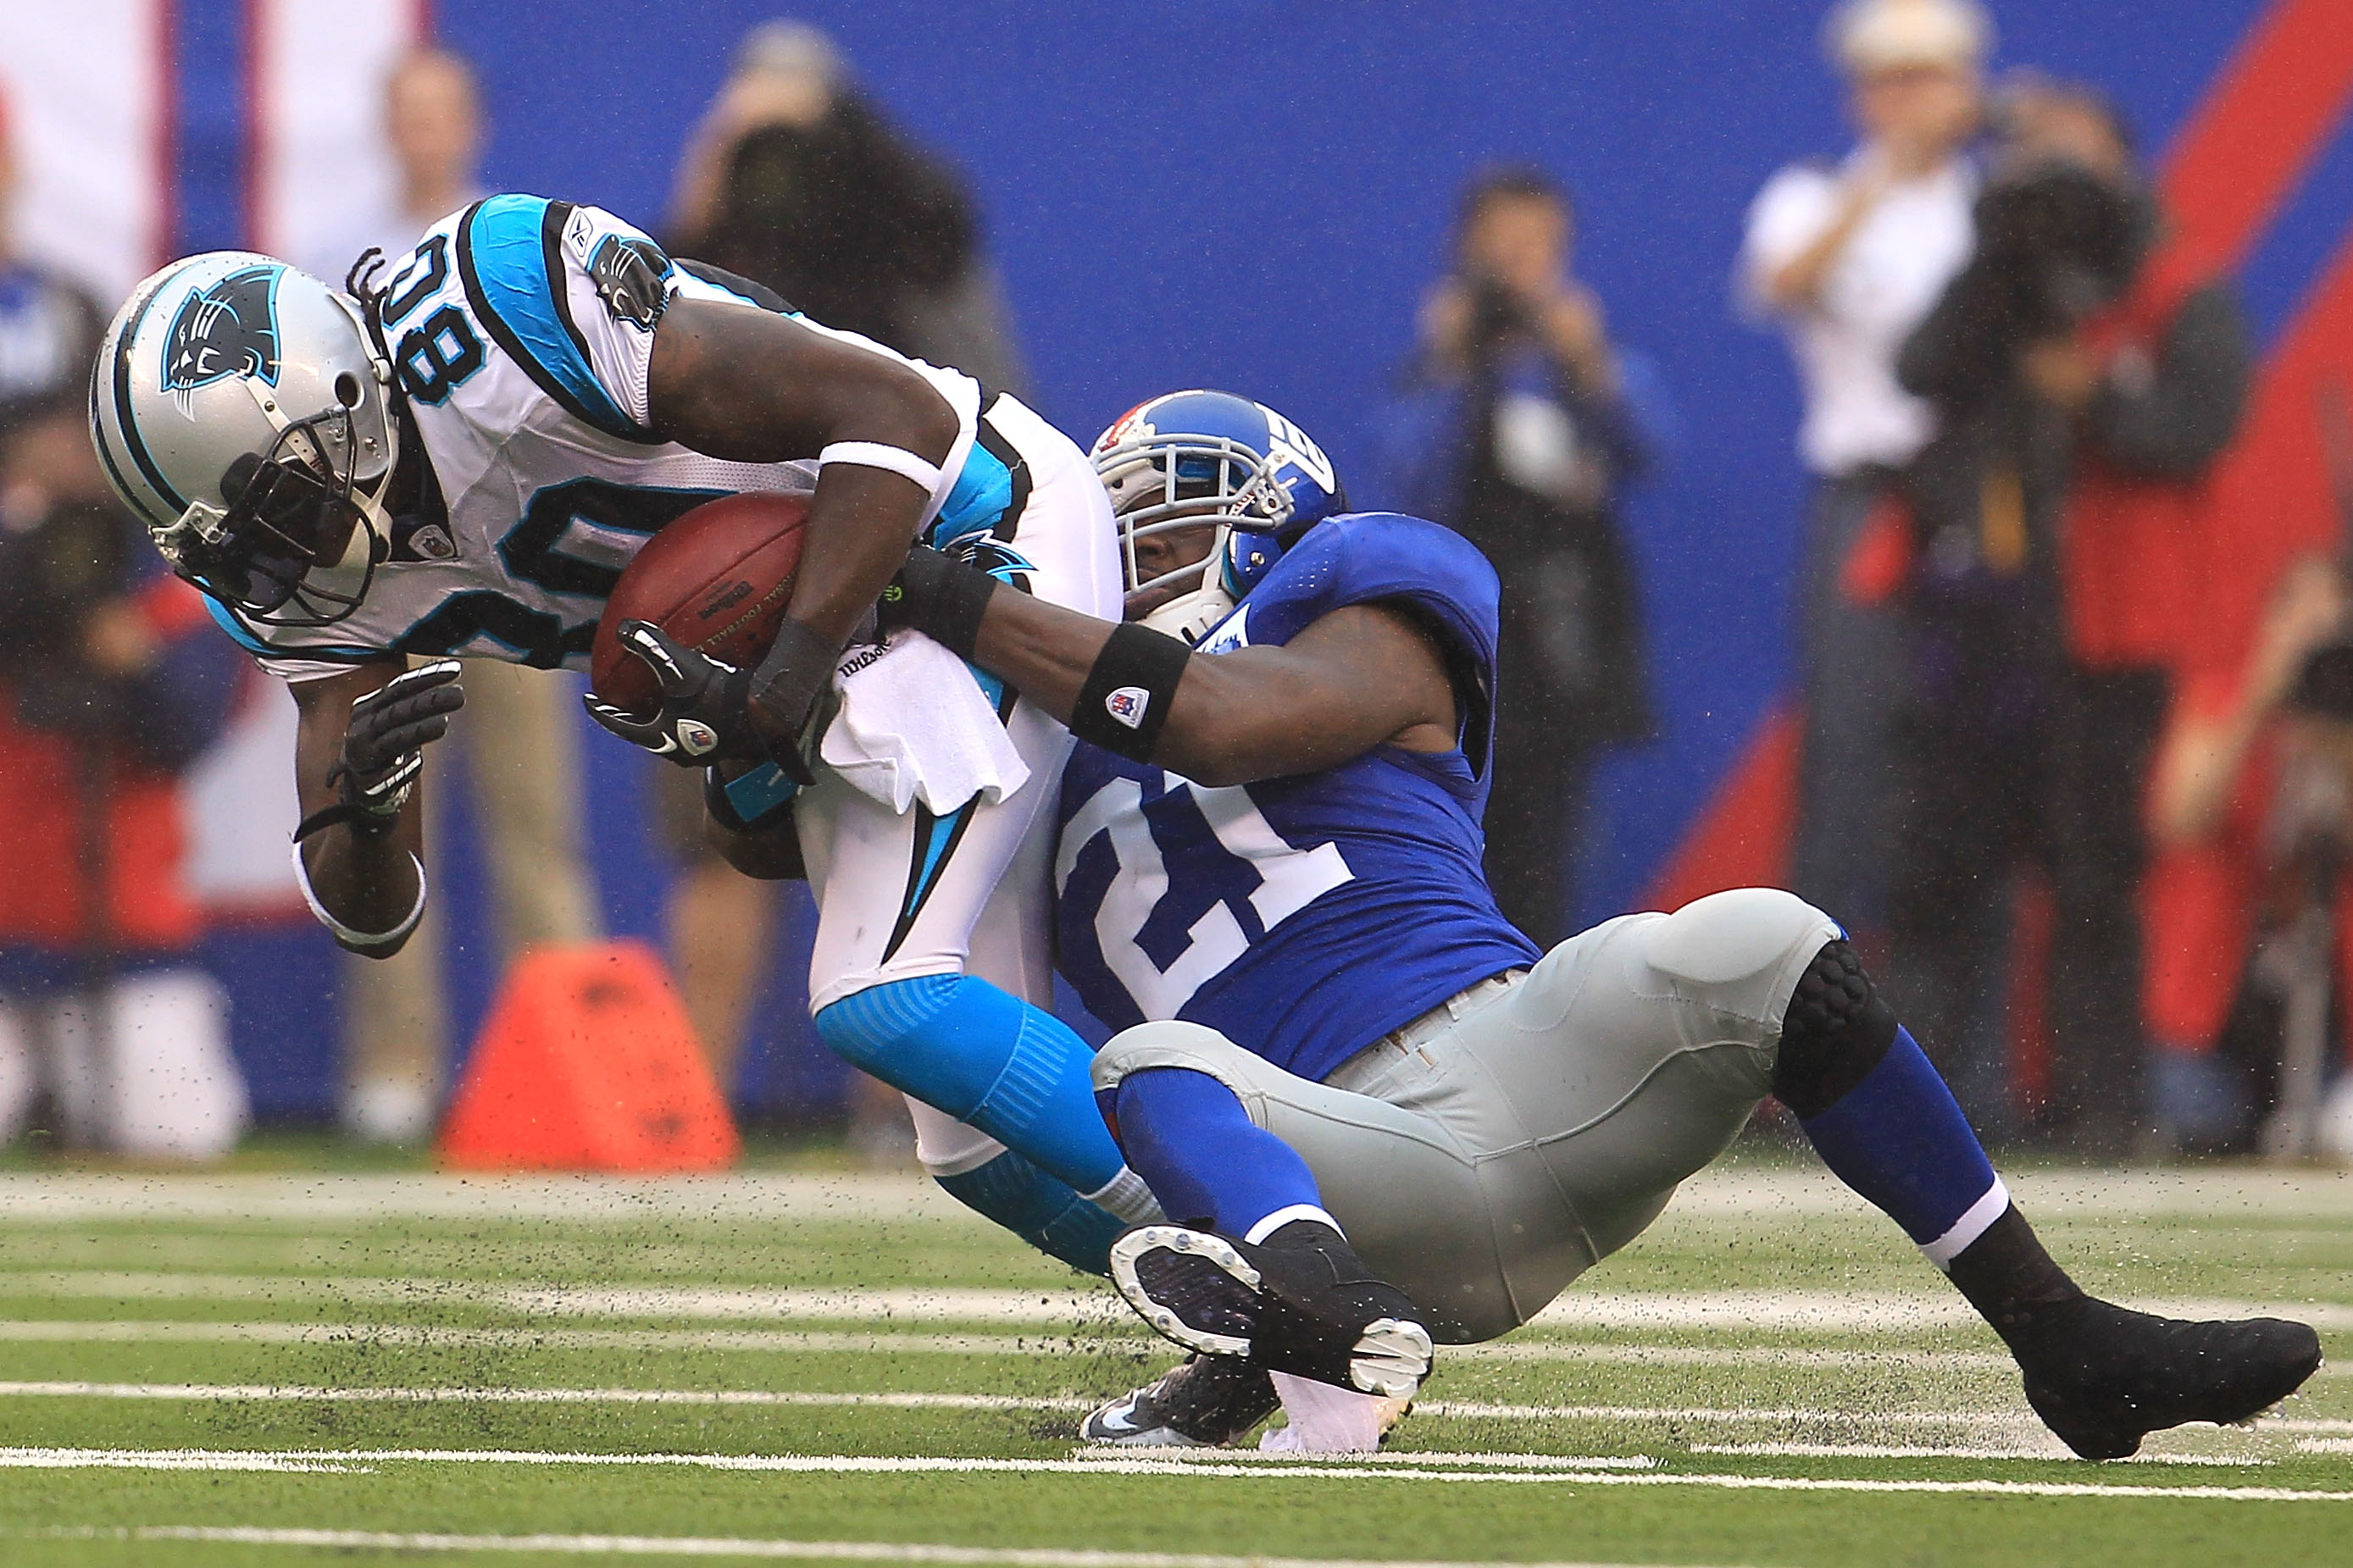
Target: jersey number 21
<point>1289,880</point>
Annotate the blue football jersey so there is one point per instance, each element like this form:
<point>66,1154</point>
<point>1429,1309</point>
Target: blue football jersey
<point>1303,917</point>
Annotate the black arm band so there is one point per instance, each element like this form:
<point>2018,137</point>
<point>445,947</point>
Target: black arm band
<point>942,595</point>
<point>1129,692</point>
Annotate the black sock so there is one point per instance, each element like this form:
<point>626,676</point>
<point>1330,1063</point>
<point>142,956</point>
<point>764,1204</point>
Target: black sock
<point>2014,1285</point>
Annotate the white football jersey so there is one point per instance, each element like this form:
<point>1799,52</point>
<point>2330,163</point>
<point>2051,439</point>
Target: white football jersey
<point>521,330</point>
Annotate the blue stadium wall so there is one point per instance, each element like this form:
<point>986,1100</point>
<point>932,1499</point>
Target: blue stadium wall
<point>1253,193</point>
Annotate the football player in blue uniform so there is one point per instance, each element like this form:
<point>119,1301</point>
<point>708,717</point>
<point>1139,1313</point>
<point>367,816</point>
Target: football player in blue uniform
<point>461,462</point>
<point>1380,1115</point>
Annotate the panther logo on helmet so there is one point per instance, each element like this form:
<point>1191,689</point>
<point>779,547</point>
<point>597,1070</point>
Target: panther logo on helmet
<point>229,328</point>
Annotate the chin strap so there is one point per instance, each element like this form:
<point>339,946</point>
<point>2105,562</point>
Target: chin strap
<point>1192,616</point>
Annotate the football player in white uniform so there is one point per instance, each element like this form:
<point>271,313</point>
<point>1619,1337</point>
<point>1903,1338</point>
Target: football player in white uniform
<point>461,462</point>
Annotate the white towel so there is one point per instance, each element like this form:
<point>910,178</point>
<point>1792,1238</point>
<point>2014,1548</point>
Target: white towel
<point>914,724</point>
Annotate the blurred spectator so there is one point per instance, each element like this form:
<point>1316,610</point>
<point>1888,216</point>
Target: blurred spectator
<point>520,735</point>
<point>1516,431</point>
<point>111,680</point>
<point>2251,803</point>
<point>796,182</point>
<point>1850,258</point>
<point>433,130</point>
<point>2084,388</point>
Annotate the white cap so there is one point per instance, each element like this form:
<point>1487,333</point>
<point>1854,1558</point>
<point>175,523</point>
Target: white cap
<point>1867,36</point>
<point>790,48</point>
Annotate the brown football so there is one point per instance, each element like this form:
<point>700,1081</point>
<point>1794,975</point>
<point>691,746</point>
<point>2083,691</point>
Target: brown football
<point>716,580</point>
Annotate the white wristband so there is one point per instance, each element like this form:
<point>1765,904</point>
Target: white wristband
<point>891,459</point>
<point>344,933</point>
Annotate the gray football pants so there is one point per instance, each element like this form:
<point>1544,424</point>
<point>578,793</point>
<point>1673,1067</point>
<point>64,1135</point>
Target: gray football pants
<point>1485,1155</point>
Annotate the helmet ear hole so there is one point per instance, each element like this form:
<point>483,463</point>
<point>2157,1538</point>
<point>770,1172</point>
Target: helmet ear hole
<point>347,389</point>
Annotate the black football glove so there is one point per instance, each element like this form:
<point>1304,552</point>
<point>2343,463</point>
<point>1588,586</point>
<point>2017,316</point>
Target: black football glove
<point>701,717</point>
<point>941,595</point>
<point>384,749</point>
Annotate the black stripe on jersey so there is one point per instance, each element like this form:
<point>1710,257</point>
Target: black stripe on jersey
<point>919,887</point>
<point>760,294</point>
<point>514,347</point>
<point>926,828</point>
<point>559,290</point>
<point>1017,472</point>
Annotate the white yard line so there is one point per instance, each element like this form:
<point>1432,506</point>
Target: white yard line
<point>805,1342</point>
<point>39,1198</point>
<point>1064,1307</point>
<point>1456,1409</point>
<point>725,1546</point>
<point>777,1341</point>
<point>1759,1192</point>
<point>1402,1467</point>
<point>296,1393</point>
<point>837,1464</point>
<point>2000,1421</point>
<point>2053,1450</point>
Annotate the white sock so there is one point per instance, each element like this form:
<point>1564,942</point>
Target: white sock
<point>1126,1197</point>
<point>1327,1420</point>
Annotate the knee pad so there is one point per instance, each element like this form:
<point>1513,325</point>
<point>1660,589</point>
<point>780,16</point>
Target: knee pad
<point>1837,1028</point>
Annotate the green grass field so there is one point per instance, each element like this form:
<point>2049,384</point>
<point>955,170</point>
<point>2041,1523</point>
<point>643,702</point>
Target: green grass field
<point>283,1368</point>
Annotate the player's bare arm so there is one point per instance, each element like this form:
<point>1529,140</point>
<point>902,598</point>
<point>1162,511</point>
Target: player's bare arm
<point>1359,678</point>
<point>748,385</point>
<point>367,881</point>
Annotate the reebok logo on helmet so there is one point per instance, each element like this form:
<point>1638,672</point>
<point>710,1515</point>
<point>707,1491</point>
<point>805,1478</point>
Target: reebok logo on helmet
<point>229,328</point>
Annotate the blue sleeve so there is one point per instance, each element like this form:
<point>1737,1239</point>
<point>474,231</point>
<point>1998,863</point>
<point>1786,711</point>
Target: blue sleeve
<point>1368,556</point>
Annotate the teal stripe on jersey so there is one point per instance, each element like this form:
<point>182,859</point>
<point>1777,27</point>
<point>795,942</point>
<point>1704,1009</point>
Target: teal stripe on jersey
<point>505,246</point>
<point>242,635</point>
<point>978,499</point>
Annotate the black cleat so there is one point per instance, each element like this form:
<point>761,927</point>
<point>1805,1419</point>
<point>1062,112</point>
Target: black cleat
<point>1302,1304</point>
<point>1208,1402</point>
<point>2110,1376</point>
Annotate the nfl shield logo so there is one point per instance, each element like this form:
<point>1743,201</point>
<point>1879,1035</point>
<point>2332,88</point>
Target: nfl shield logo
<point>1127,705</point>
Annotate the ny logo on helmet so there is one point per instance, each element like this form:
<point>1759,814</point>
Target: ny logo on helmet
<point>228,329</point>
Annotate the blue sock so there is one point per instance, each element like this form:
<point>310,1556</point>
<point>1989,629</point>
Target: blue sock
<point>1900,1140</point>
<point>1203,1157</point>
<point>988,1059</point>
<point>1038,1209</point>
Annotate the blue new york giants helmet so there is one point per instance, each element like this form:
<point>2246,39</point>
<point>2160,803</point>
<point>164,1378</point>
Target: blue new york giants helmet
<point>1189,458</point>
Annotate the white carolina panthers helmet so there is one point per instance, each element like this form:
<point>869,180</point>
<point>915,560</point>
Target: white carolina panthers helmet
<point>242,409</point>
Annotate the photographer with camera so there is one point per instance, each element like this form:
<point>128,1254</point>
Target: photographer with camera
<point>2085,383</point>
<point>1518,432</point>
<point>2251,805</point>
<point>1846,259</point>
<point>111,680</point>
